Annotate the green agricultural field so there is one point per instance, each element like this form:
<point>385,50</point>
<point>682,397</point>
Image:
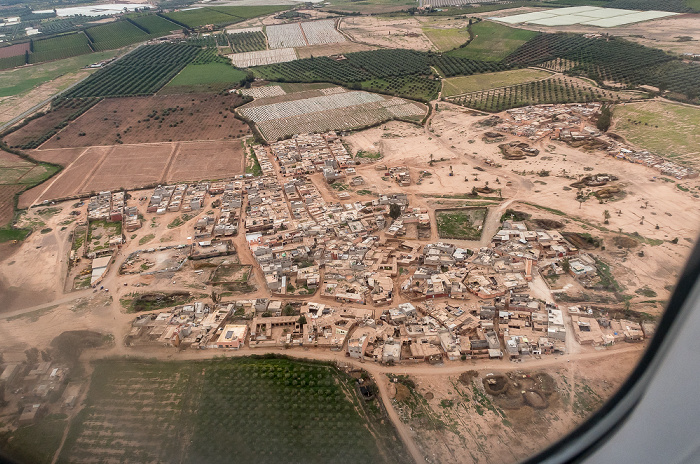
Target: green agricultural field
<point>221,15</point>
<point>142,72</point>
<point>664,128</point>
<point>464,224</point>
<point>493,42</point>
<point>551,90</point>
<point>247,42</point>
<point>211,411</point>
<point>25,172</point>
<point>18,81</point>
<point>371,6</point>
<point>115,35</point>
<point>247,12</point>
<point>154,25</point>
<point>413,87</point>
<point>24,446</point>
<point>62,46</point>
<point>12,62</point>
<point>446,39</point>
<point>476,82</point>
<point>206,77</point>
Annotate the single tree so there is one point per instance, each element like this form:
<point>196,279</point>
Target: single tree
<point>394,210</point>
<point>565,265</point>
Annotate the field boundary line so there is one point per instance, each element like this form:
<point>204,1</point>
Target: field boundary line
<point>303,34</point>
<point>60,174</point>
<point>143,144</point>
<point>69,123</point>
<point>94,169</point>
<point>18,181</point>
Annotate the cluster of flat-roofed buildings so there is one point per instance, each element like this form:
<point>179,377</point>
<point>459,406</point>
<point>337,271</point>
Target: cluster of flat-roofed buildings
<point>310,153</point>
<point>40,384</point>
<point>458,304</point>
<point>666,167</point>
<point>106,206</point>
<point>557,121</point>
<point>289,224</point>
<point>570,122</point>
<point>180,197</point>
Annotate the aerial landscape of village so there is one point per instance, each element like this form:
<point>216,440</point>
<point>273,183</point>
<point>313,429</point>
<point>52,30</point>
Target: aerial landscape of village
<point>335,231</point>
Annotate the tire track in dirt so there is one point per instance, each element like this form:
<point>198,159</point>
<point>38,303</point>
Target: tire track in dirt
<point>171,161</point>
<point>61,174</point>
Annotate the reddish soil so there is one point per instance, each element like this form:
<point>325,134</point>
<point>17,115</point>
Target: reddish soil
<point>134,166</point>
<point>62,156</point>
<point>167,118</point>
<point>38,127</point>
<point>211,160</point>
<point>7,193</point>
<point>14,50</point>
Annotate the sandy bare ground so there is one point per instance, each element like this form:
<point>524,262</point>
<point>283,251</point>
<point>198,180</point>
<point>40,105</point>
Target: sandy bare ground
<point>99,168</point>
<point>389,33</point>
<point>271,20</point>
<point>35,309</point>
<point>332,49</point>
<point>476,434</point>
<point>661,203</point>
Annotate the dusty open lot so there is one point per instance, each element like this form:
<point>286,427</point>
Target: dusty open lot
<point>133,166</point>
<point>153,119</point>
<point>332,49</point>
<point>386,32</point>
<point>459,414</point>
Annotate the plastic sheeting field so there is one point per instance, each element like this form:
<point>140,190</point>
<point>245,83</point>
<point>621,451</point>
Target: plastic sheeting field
<point>303,34</point>
<point>585,15</point>
<point>329,111</point>
<point>248,59</point>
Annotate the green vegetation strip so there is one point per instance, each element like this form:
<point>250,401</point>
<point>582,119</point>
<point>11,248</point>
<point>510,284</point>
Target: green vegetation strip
<point>464,224</point>
<point>493,41</point>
